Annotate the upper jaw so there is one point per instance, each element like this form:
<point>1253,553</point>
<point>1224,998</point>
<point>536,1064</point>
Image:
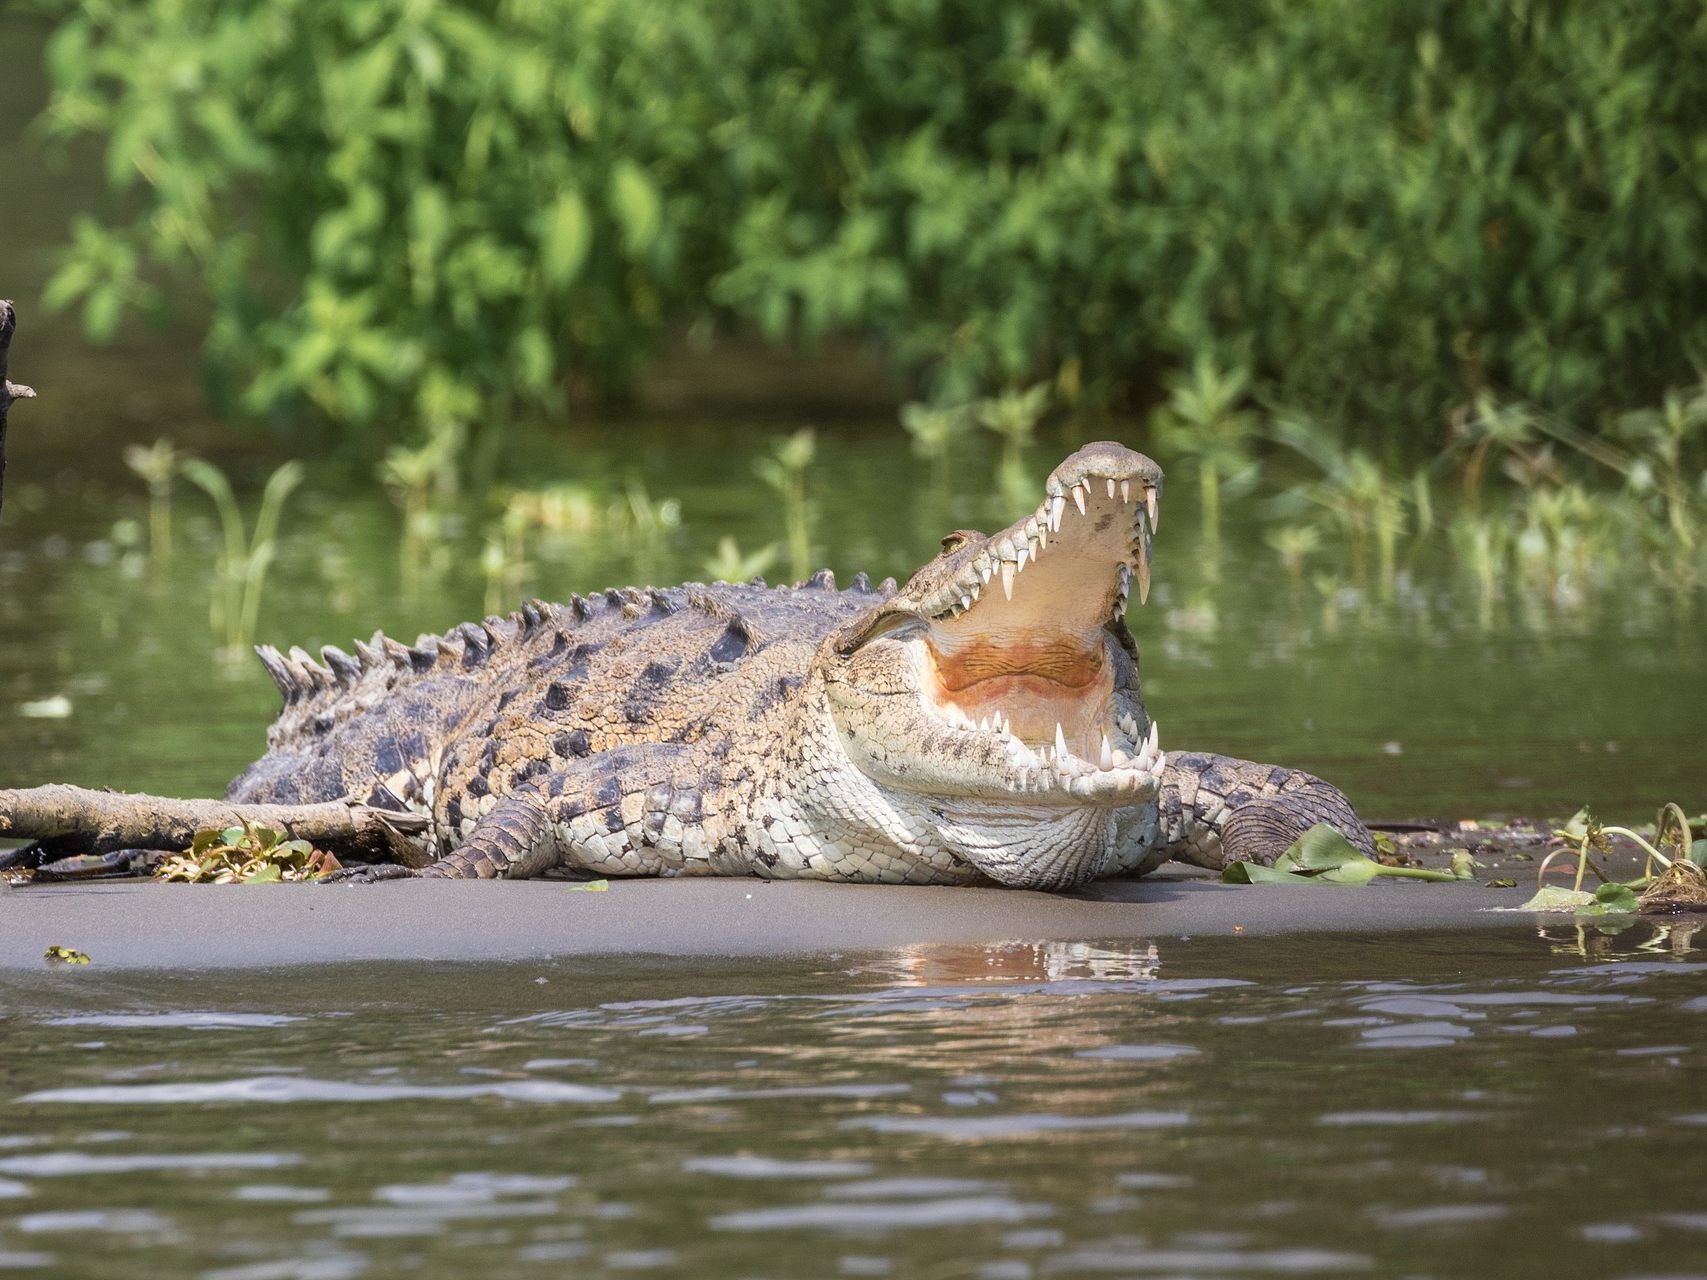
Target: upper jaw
<point>1103,502</point>
<point>1021,661</point>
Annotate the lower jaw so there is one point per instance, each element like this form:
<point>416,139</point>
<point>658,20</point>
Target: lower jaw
<point>1032,707</point>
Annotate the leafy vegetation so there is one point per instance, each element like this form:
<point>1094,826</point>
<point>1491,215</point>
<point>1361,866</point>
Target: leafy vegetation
<point>1680,885</point>
<point>440,214</point>
<point>249,854</point>
<point>1324,856</point>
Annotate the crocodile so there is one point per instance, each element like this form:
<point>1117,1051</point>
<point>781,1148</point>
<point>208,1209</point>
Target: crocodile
<point>981,723</point>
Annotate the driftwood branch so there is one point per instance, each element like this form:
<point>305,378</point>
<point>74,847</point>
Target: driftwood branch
<point>9,391</point>
<point>75,819</point>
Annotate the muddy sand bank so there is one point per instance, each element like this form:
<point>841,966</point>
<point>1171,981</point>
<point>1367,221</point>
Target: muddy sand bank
<point>141,924</point>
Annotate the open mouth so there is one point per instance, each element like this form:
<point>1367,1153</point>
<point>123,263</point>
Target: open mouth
<point>1024,642</point>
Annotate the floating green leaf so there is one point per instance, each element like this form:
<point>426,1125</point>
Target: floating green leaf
<point>65,955</point>
<point>1557,898</point>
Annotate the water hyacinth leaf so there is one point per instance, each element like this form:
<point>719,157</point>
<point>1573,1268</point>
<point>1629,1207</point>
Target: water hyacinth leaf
<point>1322,848</point>
<point>1359,870</point>
<point>249,854</point>
<point>65,955</point>
<point>1558,898</point>
<point>1611,897</point>
<point>1323,854</point>
<point>1251,873</point>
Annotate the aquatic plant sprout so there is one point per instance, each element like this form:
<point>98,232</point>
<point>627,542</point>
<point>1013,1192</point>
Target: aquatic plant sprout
<point>784,471</point>
<point>242,566</point>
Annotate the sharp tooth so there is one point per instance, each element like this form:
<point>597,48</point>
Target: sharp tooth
<point>1111,486</point>
<point>973,590</point>
<point>1106,760</point>
<point>986,573</point>
<point>1008,579</point>
<point>965,602</point>
<point>984,724</point>
<point>1152,505</point>
<point>1126,491</point>
<point>1058,505</point>
<point>1042,542</point>
<point>1144,572</point>
<point>1060,742</point>
<point>1154,741</point>
<point>1023,552</point>
<point>1079,494</point>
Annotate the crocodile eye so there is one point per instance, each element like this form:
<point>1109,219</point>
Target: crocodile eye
<point>958,539</point>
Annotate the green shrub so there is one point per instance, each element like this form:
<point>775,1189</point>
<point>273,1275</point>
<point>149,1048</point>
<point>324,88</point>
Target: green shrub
<point>447,211</point>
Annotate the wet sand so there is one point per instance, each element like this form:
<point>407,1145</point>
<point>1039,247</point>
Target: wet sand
<point>129,924</point>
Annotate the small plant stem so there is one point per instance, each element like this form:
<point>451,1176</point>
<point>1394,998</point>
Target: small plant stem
<point>1628,834</point>
<point>1418,873</point>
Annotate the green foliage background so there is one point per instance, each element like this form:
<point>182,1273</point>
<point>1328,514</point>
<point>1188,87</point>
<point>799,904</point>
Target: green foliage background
<point>433,214</point>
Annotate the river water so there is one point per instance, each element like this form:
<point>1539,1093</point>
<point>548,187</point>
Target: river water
<point>1426,1105</point>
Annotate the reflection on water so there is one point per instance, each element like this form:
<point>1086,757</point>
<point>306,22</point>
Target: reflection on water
<point>1430,1105</point>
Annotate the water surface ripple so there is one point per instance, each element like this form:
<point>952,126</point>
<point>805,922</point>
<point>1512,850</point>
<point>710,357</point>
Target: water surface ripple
<point>1419,1106</point>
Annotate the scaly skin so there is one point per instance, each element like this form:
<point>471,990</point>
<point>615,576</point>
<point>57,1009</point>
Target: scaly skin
<point>984,722</point>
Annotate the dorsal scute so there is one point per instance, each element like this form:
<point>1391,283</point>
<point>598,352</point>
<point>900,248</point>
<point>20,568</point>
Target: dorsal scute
<point>345,668</point>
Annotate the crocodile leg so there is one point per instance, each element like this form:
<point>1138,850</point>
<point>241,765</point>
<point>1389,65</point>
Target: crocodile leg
<point>620,812</point>
<point>1216,810</point>
<point>514,839</point>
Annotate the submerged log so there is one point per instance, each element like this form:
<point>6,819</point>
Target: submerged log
<point>77,820</point>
